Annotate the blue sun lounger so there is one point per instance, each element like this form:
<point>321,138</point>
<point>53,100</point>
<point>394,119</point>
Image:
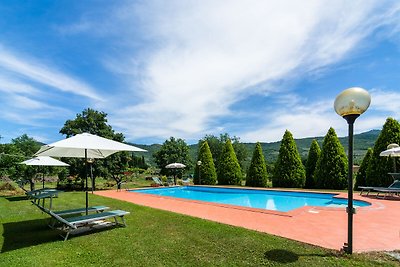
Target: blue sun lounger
<point>394,188</point>
<point>82,223</point>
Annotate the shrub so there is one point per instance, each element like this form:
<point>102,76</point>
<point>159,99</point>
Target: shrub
<point>229,172</point>
<point>289,170</point>
<point>257,172</point>
<point>362,172</point>
<point>312,159</point>
<point>377,171</point>
<point>207,173</point>
<point>331,169</point>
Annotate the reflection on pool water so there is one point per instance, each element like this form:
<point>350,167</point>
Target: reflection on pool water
<point>261,199</point>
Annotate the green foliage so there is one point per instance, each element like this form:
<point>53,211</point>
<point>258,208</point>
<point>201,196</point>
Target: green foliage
<point>379,167</point>
<point>27,145</point>
<point>172,150</point>
<point>207,172</point>
<point>217,144</point>
<point>289,170</point>
<point>257,173</point>
<point>229,172</point>
<point>313,155</point>
<point>362,172</point>
<point>95,122</point>
<point>331,169</point>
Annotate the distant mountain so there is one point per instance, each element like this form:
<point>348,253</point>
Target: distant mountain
<point>362,142</point>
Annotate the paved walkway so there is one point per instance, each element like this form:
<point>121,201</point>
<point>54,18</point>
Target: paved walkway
<point>376,227</point>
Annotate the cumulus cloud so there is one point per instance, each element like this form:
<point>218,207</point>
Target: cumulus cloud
<point>210,55</point>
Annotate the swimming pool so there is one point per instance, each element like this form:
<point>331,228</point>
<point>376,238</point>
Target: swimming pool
<point>261,199</point>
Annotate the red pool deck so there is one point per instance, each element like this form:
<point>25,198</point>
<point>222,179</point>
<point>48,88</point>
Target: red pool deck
<point>375,228</point>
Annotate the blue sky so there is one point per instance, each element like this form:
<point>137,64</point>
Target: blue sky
<point>189,68</point>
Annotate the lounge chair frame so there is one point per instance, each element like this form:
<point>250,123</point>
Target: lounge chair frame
<point>76,224</point>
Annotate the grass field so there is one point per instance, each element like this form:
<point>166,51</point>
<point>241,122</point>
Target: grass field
<point>152,238</point>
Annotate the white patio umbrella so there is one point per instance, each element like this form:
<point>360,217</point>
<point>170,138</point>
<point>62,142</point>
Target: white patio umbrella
<point>44,161</point>
<point>391,152</point>
<point>86,146</point>
<point>175,165</point>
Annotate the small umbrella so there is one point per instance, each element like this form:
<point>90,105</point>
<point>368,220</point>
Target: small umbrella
<point>175,165</point>
<point>86,146</point>
<point>391,152</point>
<point>44,161</point>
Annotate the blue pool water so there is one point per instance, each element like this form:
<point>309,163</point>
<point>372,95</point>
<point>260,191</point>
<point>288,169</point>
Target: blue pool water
<point>262,199</point>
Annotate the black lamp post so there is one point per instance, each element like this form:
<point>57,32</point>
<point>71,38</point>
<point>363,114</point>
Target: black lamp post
<point>350,104</point>
<point>199,165</point>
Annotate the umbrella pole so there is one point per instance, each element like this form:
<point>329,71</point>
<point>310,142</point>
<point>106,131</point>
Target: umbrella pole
<point>86,181</point>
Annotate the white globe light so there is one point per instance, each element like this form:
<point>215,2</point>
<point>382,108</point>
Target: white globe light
<point>352,101</point>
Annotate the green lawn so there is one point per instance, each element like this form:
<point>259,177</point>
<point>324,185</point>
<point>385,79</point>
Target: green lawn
<point>152,238</point>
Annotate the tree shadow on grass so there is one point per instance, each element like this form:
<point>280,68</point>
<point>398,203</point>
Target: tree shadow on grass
<point>23,234</point>
<point>285,256</point>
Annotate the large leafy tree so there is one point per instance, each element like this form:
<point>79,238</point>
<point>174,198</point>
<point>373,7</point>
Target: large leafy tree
<point>257,172</point>
<point>172,150</point>
<point>289,170</point>
<point>94,122</point>
<point>217,144</point>
<point>331,169</point>
<point>313,155</point>
<point>379,167</point>
<point>27,146</point>
<point>205,173</point>
<point>362,172</point>
<point>229,172</point>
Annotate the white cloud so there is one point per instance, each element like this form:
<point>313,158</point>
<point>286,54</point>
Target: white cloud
<point>209,55</point>
<point>48,76</point>
<point>314,119</point>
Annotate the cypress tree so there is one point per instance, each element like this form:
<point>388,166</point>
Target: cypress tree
<point>229,172</point>
<point>379,167</point>
<point>362,172</point>
<point>289,170</point>
<point>313,155</point>
<point>257,172</point>
<point>208,174</point>
<point>331,169</point>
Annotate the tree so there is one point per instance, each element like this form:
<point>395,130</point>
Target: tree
<point>172,150</point>
<point>362,172</point>
<point>207,174</point>
<point>229,172</point>
<point>257,172</point>
<point>94,122</point>
<point>313,155</point>
<point>331,169</point>
<point>217,144</point>
<point>379,167</point>
<point>27,147</point>
<point>289,170</point>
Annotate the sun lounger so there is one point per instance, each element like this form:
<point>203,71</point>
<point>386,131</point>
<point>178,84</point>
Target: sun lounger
<point>41,195</point>
<point>81,210</point>
<point>387,192</point>
<point>394,186</point>
<point>69,212</point>
<point>186,181</point>
<point>157,181</point>
<point>76,224</point>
